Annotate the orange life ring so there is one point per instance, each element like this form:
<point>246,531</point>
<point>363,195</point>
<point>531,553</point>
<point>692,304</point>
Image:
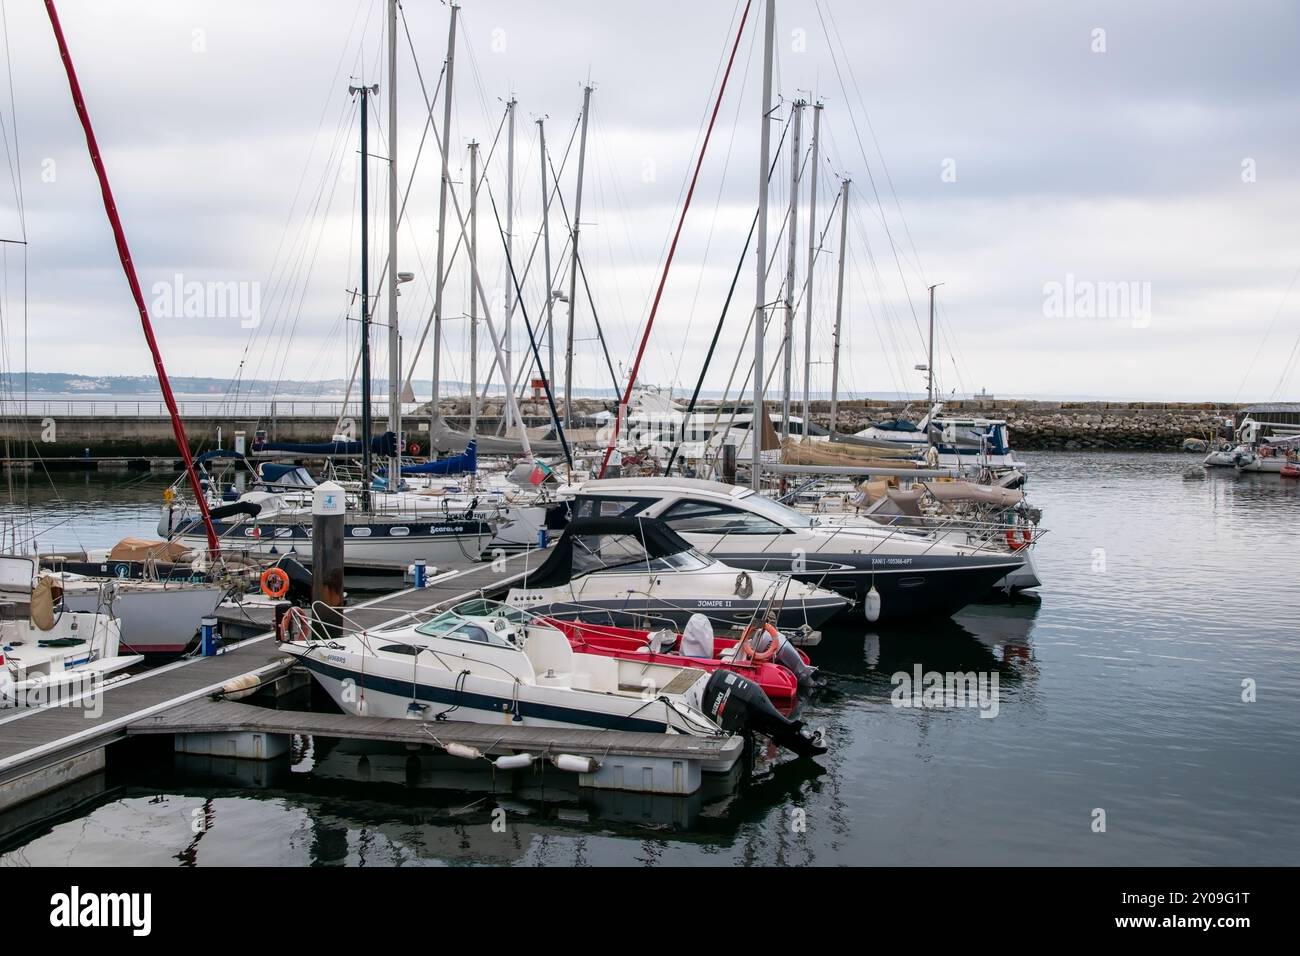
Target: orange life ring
<point>1027,535</point>
<point>294,626</point>
<point>1013,540</point>
<point>281,586</point>
<point>415,448</point>
<point>761,657</point>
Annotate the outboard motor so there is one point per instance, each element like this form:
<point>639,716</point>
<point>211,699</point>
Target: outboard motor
<point>738,705</point>
<point>787,656</point>
<point>299,579</point>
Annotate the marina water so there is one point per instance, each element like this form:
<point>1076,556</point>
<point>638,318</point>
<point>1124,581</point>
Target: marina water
<point>1146,713</point>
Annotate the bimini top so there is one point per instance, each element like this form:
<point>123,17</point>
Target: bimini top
<point>601,544</point>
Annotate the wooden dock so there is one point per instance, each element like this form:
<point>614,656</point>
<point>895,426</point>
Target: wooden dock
<point>42,749</point>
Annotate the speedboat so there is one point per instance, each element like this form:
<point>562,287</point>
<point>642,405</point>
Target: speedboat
<point>638,572</point>
<point>911,573</point>
<point>503,668</point>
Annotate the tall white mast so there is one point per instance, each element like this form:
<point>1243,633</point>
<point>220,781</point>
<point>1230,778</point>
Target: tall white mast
<point>792,226</point>
<point>473,301</point>
<point>507,370</point>
<point>929,365</point>
<point>839,304</point>
<point>546,255</point>
<point>439,276</point>
<point>573,264</point>
<point>477,282</point>
<point>812,258</point>
<point>760,297</point>
<point>394,339</point>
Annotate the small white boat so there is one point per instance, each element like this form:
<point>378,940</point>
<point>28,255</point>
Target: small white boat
<point>48,652</point>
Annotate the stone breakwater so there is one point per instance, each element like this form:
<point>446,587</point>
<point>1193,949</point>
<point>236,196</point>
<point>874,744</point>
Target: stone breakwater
<point>1069,426</point>
<point>1118,426</point>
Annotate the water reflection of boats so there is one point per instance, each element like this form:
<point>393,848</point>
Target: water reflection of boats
<point>982,637</point>
<point>1005,628</point>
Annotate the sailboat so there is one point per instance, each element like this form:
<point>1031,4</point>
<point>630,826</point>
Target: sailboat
<point>269,523</point>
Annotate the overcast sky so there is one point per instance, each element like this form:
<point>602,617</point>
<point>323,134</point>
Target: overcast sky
<point>1025,155</point>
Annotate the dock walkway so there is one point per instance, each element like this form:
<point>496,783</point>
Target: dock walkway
<point>221,717</point>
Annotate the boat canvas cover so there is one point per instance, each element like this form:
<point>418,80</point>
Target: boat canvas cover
<point>464,463</point>
<point>289,475</point>
<point>878,446</point>
<point>385,446</point>
<point>767,431</point>
<point>823,453</point>
<point>597,544</point>
<point>445,440</point>
<point>907,502</point>
<point>955,492</point>
<point>144,549</point>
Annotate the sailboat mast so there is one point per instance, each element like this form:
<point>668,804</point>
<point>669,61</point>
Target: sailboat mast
<point>760,297</point>
<point>473,302</point>
<point>508,370</point>
<point>439,273</point>
<point>394,338</point>
<point>929,365</point>
<point>366,426</point>
<point>573,263</point>
<point>546,256</point>
<point>124,254</point>
<point>812,258</point>
<point>839,305</point>
<point>796,121</point>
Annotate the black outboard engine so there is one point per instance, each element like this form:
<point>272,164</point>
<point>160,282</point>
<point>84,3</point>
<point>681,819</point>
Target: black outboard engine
<point>299,579</point>
<point>738,705</point>
<point>787,656</point>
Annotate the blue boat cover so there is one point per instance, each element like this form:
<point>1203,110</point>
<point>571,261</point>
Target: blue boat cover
<point>384,446</point>
<point>464,463</point>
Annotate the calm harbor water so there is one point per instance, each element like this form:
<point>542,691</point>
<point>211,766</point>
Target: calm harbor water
<point>1120,690</point>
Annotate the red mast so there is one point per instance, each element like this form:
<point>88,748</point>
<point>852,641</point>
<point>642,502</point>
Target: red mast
<point>124,253</point>
<point>663,279</point>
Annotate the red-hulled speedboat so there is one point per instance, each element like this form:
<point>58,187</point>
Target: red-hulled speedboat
<point>754,658</point>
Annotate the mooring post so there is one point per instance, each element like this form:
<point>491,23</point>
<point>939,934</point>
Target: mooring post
<point>328,507</point>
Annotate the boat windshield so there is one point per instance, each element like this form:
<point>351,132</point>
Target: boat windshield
<point>451,624</point>
<point>783,515</point>
<point>603,552</point>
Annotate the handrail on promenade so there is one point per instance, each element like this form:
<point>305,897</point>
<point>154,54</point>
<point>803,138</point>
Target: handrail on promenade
<point>191,408</point>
